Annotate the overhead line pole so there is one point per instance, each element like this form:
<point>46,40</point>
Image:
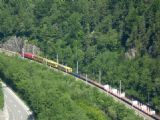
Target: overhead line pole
<point>46,60</point>
<point>77,58</point>
<point>120,87</point>
<point>77,67</point>
<point>33,51</point>
<point>86,78</point>
<point>100,74</point>
<point>57,58</point>
<point>23,52</point>
<point>148,98</point>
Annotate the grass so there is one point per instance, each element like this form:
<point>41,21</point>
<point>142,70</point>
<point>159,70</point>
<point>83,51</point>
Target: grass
<point>1,97</point>
<point>55,96</point>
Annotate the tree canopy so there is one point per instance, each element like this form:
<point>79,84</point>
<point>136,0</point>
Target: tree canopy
<point>96,33</point>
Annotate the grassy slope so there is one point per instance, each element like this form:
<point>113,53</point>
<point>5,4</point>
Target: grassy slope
<point>52,95</point>
<point>1,97</point>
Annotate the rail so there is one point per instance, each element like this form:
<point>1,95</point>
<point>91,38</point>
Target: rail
<point>124,100</point>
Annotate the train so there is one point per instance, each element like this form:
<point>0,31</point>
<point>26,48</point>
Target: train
<point>121,96</point>
<point>47,61</point>
<point>137,105</point>
<point>114,92</point>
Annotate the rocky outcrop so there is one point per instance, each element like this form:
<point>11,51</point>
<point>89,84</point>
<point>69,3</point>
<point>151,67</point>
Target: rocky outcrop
<point>131,54</point>
<point>16,44</point>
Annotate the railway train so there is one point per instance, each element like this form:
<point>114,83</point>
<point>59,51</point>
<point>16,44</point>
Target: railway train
<point>46,61</point>
<point>121,96</point>
<point>114,92</point>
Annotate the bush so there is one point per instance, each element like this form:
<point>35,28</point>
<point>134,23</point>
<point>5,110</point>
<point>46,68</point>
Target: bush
<point>1,97</point>
<point>53,95</point>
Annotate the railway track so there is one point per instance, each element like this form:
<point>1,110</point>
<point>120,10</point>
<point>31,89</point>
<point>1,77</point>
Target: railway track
<point>127,102</point>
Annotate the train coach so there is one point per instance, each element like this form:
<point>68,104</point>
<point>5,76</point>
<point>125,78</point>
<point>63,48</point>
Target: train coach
<point>47,61</point>
<point>64,68</point>
<point>27,55</point>
<point>120,95</point>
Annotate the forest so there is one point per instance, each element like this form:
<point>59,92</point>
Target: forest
<point>56,96</point>
<point>120,38</point>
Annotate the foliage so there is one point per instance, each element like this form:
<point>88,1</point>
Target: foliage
<point>53,95</point>
<point>97,34</point>
<point>1,97</point>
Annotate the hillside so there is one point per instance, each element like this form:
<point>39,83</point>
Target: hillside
<point>1,98</point>
<point>53,95</point>
<point>120,38</point>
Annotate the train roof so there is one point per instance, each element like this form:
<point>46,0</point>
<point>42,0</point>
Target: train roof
<point>26,53</point>
<point>65,66</point>
<point>29,55</point>
<point>51,61</point>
